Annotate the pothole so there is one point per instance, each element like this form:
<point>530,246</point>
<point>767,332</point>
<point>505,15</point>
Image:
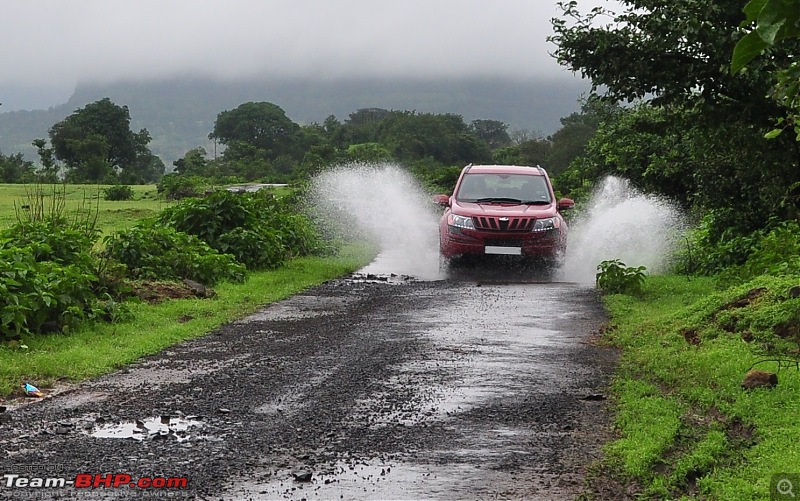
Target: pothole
<point>375,278</point>
<point>174,428</point>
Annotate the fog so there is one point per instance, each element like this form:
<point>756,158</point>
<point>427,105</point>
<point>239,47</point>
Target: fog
<point>49,46</point>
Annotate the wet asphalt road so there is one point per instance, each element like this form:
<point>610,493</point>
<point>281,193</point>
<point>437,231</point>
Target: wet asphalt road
<point>466,388</point>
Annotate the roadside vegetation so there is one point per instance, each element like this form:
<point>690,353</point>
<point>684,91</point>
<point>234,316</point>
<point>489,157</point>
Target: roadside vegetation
<point>708,387</point>
<point>83,293</point>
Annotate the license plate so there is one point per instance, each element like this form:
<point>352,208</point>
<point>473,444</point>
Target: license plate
<point>509,251</point>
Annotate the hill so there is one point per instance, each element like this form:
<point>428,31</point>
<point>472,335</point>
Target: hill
<point>180,113</point>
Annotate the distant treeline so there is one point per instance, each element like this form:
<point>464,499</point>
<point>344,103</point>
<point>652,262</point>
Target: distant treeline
<point>256,141</point>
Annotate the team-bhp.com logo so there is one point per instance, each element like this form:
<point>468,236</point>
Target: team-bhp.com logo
<point>93,481</point>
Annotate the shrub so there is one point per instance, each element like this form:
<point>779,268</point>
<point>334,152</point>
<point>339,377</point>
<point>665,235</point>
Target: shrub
<point>776,253</point>
<point>256,249</point>
<point>36,293</point>
<point>260,230</point>
<point>118,193</point>
<point>177,187</point>
<point>614,277</point>
<point>158,252</point>
<point>210,217</point>
<point>709,251</point>
<point>52,240</point>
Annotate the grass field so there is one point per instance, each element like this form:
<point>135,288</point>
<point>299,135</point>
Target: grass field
<point>688,430</point>
<point>111,216</point>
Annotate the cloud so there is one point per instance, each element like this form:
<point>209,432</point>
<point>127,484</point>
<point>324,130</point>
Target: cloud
<point>98,39</point>
<point>57,44</point>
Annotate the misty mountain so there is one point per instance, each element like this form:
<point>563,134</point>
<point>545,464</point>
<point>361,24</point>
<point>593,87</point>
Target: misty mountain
<point>180,113</point>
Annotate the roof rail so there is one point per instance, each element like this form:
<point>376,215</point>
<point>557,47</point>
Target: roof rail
<point>541,171</point>
<point>468,167</point>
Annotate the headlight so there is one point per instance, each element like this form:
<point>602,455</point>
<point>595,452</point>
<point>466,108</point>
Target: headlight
<point>460,221</point>
<point>548,223</point>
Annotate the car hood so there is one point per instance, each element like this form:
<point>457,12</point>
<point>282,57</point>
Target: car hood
<point>486,209</point>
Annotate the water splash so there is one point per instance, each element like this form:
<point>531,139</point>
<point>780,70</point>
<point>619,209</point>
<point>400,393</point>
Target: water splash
<point>384,204</point>
<point>622,223</point>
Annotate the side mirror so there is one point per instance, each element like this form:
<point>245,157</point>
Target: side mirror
<point>443,200</point>
<point>566,204</point>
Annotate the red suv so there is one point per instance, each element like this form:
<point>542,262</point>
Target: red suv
<point>503,209</point>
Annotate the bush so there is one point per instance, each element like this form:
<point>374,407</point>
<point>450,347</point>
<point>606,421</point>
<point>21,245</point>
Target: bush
<point>50,279</point>
<point>157,252</point>
<point>614,277</point>
<point>52,241</point>
<point>256,249</point>
<point>260,230</point>
<point>176,187</point>
<point>35,294</point>
<point>118,193</point>
<point>777,253</point>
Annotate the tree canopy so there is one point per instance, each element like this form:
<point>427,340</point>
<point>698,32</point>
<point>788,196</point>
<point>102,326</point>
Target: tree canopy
<point>698,132</point>
<point>773,22</point>
<point>96,143</point>
<point>261,126</point>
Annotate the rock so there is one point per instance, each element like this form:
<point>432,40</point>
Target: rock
<point>199,289</point>
<point>691,336</point>
<point>302,475</point>
<point>62,430</point>
<point>794,292</point>
<point>225,411</point>
<point>594,397</point>
<point>3,408</point>
<point>759,379</point>
<point>50,327</point>
<point>748,298</point>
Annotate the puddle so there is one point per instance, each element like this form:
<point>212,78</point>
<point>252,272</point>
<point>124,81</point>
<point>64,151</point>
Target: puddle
<point>381,479</point>
<point>179,429</point>
<point>386,278</point>
<point>301,306</point>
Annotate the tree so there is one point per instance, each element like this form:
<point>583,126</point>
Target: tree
<point>569,142</point>
<point>147,168</point>
<point>193,163</point>
<point>445,138</point>
<point>675,51</point>
<point>676,54</point>
<point>492,132</point>
<point>97,141</point>
<point>519,136</point>
<point>367,152</point>
<point>261,129</point>
<point>15,169</point>
<point>49,171</point>
<point>773,22</point>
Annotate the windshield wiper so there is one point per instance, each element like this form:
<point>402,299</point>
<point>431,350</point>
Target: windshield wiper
<point>498,199</point>
<point>536,202</point>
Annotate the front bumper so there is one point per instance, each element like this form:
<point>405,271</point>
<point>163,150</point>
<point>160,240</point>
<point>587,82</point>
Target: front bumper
<point>454,242</point>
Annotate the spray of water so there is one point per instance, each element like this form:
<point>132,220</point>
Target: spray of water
<point>382,203</point>
<point>622,223</point>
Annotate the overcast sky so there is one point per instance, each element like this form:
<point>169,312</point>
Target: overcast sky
<point>48,46</point>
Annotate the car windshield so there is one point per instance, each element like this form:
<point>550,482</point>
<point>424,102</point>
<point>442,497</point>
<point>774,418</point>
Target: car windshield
<point>515,188</point>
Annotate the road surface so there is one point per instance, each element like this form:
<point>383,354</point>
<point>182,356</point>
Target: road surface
<point>362,388</point>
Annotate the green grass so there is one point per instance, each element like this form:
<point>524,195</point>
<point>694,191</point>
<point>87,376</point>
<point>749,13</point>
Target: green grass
<point>111,216</point>
<point>101,348</point>
<point>686,426</point>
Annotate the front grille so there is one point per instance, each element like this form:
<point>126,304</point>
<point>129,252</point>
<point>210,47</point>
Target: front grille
<point>503,242</point>
<point>496,223</point>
